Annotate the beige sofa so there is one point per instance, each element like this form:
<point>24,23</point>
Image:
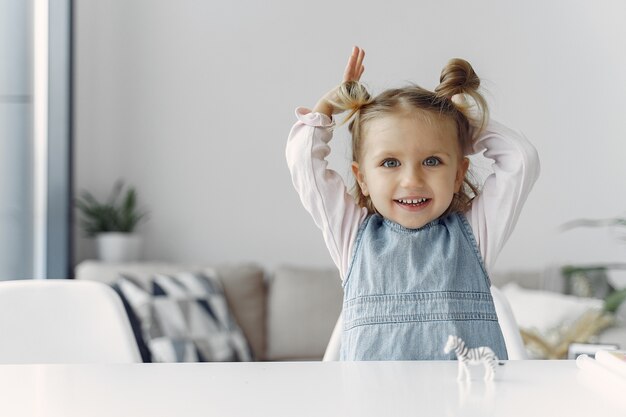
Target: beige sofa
<point>289,313</point>
<point>286,315</point>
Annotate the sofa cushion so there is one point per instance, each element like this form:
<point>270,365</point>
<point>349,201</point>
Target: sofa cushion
<point>303,306</point>
<point>246,293</point>
<point>545,311</point>
<point>185,318</point>
<point>550,321</point>
<point>244,287</point>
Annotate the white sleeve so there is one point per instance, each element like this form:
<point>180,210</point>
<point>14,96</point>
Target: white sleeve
<point>495,211</point>
<point>322,190</point>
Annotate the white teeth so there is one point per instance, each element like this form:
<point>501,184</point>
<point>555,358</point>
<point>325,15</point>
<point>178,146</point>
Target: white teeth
<point>419,200</point>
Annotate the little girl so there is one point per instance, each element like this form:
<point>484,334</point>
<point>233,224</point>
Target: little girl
<point>416,242</point>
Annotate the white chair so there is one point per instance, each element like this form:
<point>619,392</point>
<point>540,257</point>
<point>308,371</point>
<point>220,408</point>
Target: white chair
<point>510,331</point>
<point>64,321</point>
<point>334,344</point>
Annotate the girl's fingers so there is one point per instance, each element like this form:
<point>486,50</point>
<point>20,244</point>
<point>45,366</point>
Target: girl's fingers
<point>349,72</point>
<point>354,68</point>
<point>359,63</point>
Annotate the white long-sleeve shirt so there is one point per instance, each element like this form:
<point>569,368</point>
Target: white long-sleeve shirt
<point>493,214</point>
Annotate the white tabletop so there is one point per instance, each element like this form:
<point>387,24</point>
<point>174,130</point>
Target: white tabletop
<point>521,388</point>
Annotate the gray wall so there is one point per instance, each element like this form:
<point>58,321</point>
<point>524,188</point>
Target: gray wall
<point>191,101</point>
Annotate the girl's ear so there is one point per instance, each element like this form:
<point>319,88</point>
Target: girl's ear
<point>360,179</point>
<point>460,174</point>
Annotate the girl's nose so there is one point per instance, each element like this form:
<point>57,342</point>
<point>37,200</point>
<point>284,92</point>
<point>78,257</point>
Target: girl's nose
<point>412,177</point>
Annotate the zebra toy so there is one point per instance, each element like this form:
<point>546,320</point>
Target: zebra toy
<point>473,356</point>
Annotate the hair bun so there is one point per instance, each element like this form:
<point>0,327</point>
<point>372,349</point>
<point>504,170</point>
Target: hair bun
<point>351,96</point>
<point>457,77</point>
<point>459,82</point>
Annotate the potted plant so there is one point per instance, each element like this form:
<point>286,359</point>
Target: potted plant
<point>113,223</point>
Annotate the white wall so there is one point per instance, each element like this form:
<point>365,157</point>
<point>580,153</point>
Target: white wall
<point>191,101</point>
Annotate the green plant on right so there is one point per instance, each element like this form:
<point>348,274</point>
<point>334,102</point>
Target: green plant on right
<point>111,215</point>
<point>613,222</point>
<point>614,300</point>
<point>615,297</point>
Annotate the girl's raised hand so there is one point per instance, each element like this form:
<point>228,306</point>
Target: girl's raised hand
<point>354,70</point>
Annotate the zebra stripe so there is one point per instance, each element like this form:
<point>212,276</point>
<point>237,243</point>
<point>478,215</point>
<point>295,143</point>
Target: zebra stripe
<point>472,356</point>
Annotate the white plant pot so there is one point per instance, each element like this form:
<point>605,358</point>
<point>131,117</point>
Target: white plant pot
<point>118,247</point>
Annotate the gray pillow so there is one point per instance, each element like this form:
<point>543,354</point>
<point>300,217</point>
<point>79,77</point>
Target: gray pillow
<point>303,307</point>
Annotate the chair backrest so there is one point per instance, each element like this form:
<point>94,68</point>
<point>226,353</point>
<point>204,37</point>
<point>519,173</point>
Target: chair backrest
<point>64,321</point>
<point>510,331</point>
<point>334,344</point>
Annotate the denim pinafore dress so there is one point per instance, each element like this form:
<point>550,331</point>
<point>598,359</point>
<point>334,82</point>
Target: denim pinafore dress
<point>407,290</point>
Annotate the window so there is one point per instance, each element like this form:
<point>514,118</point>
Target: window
<point>35,145</point>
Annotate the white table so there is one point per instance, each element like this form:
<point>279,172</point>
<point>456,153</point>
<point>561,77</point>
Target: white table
<point>295,389</point>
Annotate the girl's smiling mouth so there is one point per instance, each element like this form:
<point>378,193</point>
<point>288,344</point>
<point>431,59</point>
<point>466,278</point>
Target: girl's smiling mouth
<point>413,203</point>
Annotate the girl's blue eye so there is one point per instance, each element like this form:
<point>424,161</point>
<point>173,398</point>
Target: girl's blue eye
<point>431,161</point>
<point>391,163</point>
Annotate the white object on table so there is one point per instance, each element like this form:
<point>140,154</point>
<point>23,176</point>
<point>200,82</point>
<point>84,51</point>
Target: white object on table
<point>472,356</point>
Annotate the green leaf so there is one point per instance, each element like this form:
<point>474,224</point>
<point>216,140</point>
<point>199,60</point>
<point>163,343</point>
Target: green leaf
<point>614,300</point>
<point>110,216</point>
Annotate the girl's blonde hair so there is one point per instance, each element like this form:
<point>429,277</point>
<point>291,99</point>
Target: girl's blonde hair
<point>457,80</point>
